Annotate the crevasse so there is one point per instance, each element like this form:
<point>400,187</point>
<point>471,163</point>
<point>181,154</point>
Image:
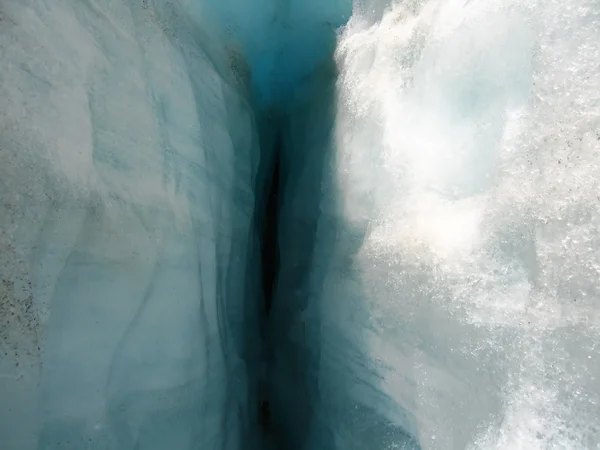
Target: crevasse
<point>299,224</point>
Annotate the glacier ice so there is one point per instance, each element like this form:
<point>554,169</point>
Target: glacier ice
<point>431,236</point>
<point>129,157</point>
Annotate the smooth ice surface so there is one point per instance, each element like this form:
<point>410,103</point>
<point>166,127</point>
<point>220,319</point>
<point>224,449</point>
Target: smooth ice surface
<point>128,295</point>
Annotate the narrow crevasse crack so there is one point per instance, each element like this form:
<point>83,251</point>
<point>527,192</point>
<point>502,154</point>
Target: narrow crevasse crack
<point>268,219</point>
<point>269,244</point>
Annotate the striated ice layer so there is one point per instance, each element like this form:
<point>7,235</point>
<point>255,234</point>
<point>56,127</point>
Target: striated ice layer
<point>128,161</point>
<point>451,297</point>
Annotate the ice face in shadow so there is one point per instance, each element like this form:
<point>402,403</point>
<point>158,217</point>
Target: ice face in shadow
<point>323,383</point>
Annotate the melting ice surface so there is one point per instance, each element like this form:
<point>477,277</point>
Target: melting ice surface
<point>438,224</point>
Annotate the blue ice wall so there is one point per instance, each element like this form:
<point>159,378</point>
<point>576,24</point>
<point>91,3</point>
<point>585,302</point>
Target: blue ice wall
<point>438,225</point>
<point>135,141</point>
<point>129,294</point>
<point>284,41</point>
<point>323,383</point>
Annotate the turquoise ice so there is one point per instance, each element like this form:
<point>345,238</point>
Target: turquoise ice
<point>435,224</point>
